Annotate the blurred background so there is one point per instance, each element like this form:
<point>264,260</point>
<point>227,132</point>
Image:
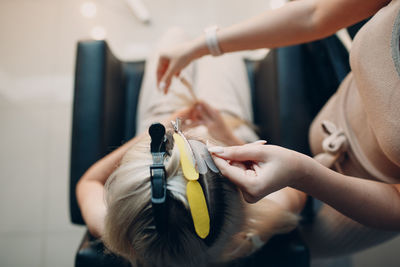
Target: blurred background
<point>37,54</point>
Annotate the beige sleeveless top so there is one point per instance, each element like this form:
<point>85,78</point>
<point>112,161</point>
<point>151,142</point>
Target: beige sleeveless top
<point>362,119</point>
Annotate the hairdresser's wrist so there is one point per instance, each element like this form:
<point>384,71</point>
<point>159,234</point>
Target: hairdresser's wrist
<point>304,170</point>
<point>198,48</point>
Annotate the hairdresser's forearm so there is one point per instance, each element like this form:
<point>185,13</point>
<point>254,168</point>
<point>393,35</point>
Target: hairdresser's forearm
<point>296,22</point>
<point>273,28</point>
<point>371,203</point>
<point>292,24</point>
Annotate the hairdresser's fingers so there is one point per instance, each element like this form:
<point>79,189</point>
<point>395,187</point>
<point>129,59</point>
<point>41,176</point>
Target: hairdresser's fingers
<point>248,152</point>
<point>246,180</point>
<point>257,168</point>
<point>167,68</point>
<point>176,63</point>
<point>240,165</point>
<point>234,173</point>
<point>162,67</point>
<point>166,80</point>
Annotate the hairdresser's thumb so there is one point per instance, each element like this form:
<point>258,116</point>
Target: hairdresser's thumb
<point>233,173</point>
<point>238,177</point>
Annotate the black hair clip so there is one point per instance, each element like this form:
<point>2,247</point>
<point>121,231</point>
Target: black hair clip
<point>158,174</point>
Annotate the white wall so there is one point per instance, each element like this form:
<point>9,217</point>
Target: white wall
<point>37,52</point>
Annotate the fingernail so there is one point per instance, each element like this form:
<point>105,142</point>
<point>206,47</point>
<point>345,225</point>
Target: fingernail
<point>162,86</point>
<point>260,142</point>
<point>216,149</point>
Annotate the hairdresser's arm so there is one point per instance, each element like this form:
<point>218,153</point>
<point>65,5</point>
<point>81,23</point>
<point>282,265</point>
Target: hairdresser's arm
<point>294,23</point>
<point>90,188</point>
<point>371,203</point>
<point>297,22</point>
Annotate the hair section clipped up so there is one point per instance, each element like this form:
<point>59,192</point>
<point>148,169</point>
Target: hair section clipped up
<point>167,203</point>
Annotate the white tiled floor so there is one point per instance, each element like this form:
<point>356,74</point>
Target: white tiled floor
<point>37,53</point>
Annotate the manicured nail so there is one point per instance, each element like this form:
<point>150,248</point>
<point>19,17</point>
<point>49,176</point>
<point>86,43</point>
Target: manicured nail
<point>216,149</point>
<point>162,86</point>
<point>262,142</point>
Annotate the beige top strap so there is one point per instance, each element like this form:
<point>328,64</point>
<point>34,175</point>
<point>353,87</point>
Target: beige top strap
<point>344,140</point>
<point>334,145</point>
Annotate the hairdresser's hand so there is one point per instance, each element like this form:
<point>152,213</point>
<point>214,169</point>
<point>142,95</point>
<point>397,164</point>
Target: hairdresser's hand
<point>259,170</point>
<point>204,114</point>
<point>174,59</point>
<point>170,63</point>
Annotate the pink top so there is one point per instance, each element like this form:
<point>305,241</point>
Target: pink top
<point>366,108</point>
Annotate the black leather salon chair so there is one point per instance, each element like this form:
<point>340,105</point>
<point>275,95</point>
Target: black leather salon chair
<point>104,117</point>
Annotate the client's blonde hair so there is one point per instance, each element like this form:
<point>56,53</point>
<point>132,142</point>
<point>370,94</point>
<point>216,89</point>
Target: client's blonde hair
<point>129,225</point>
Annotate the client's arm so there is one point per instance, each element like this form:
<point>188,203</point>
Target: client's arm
<point>290,199</point>
<point>275,214</point>
<point>90,189</point>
